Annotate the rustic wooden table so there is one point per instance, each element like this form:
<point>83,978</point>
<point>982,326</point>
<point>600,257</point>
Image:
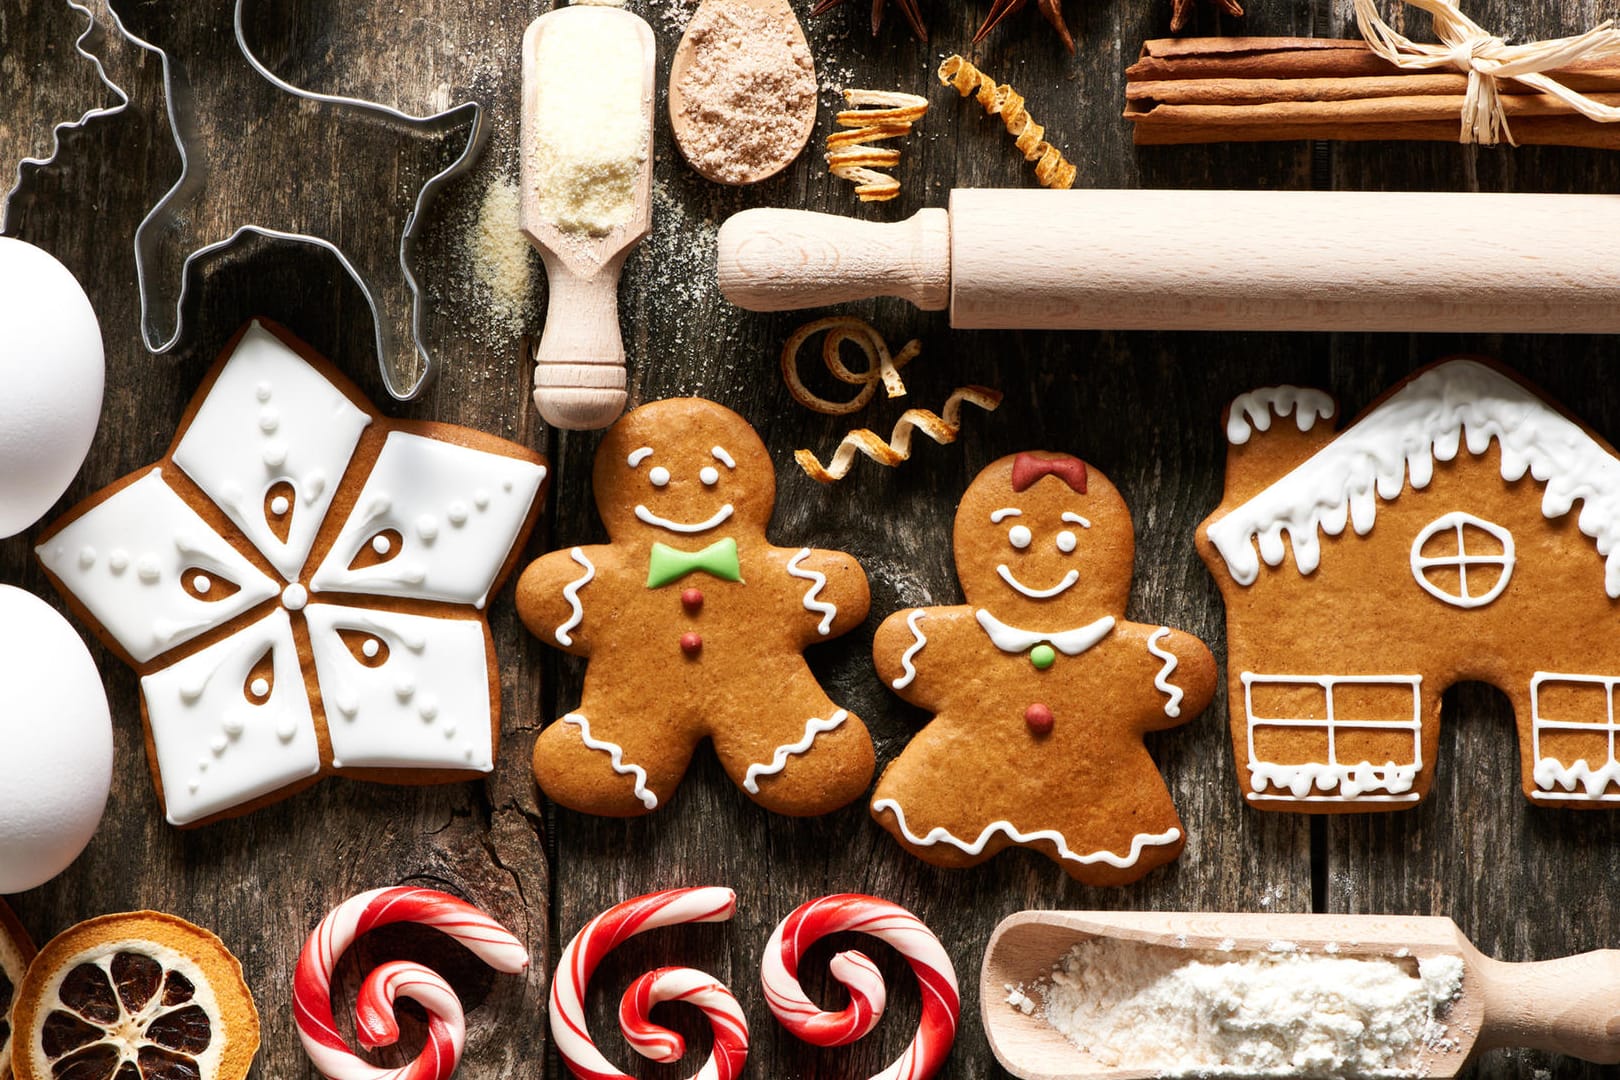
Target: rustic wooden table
<point>1524,882</point>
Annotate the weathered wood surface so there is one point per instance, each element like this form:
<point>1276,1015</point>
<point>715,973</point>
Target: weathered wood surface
<point>1522,882</point>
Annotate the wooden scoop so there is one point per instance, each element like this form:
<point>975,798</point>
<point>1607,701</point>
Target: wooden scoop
<point>1568,1006</point>
<point>685,128</point>
<point>579,377</point>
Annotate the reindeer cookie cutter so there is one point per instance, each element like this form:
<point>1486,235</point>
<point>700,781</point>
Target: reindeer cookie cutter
<point>339,226</point>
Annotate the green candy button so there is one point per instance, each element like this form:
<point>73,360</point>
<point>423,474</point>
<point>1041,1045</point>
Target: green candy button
<point>1043,657</point>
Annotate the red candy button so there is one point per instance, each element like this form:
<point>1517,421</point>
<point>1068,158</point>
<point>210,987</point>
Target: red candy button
<point>692,599</point>
<point>691,644</point>
<point>1039,718</point>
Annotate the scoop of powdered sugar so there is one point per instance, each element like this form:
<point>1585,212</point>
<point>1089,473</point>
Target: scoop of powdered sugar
<point>1182,1012</point>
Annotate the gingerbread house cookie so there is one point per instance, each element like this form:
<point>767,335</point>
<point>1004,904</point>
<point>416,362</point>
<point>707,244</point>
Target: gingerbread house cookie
<point>1041,691</point>
<point>1435,539</point>
<point>300,584</point>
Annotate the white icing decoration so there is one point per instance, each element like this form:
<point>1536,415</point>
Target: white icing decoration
<point>818,581</point>
<point>415,476</point>
<point>918,640</point>
<point>378,721</point>
<point>1557,781</point>
<point>720,455</point>
<point>1066,541</point>
<point>381,544</point>
<point>87,557</point>
<point>709,475</point>
<point>259,687</point>
<point>1075,519</point>
<point>147,620</point>
<point>457,513</point>
<point>193,703</point>
<point>1068,642</point>
<point>1348,781</point>
<point>1455,522</point>
<point>1161,681</point>
<point>942,835</point>
<point>649,518</point>
<point>571,594</point>
<point>638,456</point>
<point>427,527</point>
<point>279,505</point>
<point>148,570</point>
<point>370,647</point>
<point>616,753</point>
<point>998,516</point>
<point>658,476</point>
<point>1038,594</point>
<point>294,597</point>
<point>200,584</point>
<point>1019,536</point>
<point>1458,403</point>
<point>227,453</point>
<point>1252,411</point>
<point>813,727</point>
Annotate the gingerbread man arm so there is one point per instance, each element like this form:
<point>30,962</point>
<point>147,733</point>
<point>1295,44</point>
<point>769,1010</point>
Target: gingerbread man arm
<point>554,596</point>
<point>1183,679</point>
<point>832,589</point>
<point>913,649</point>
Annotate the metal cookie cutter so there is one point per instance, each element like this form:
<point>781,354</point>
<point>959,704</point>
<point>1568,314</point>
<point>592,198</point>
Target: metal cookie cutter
<point>260,155</point>
<point>66,125</point>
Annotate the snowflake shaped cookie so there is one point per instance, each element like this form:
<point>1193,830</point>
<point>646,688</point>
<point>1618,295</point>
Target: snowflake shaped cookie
<point>300,585</point>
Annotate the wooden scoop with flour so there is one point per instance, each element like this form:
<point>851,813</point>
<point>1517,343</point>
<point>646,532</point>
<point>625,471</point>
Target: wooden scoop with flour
<point>579,378</point>
<point>1568,1006</point>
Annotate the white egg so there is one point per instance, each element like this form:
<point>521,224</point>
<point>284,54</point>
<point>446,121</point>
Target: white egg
<point>56,735</point>
<point>51,375</point>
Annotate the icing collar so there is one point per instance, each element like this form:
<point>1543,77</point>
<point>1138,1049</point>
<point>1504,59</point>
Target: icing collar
<point>1068,642</point>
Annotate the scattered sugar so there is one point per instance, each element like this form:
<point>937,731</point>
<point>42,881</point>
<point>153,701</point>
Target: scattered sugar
<point>1275,1013</point>
<point>1281,947</point>
<point>1019,1000</point>
<point>501,257</point>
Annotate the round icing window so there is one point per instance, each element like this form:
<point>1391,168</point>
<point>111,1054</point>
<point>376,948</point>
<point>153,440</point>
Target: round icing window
<point>1462,559</point>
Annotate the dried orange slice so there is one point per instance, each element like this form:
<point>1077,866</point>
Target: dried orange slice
<point>141,996</point>
<point>15,953</point>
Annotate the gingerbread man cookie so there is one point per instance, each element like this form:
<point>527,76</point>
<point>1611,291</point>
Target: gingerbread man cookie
<point>695,626</point>
<point>1039,687</point>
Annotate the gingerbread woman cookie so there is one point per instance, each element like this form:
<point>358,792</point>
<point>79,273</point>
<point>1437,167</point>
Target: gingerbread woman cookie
<point>1041,691</point>
<point>695,626</point>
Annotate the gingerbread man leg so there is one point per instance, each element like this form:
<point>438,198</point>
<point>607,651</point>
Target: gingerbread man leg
<point>797,752</point>
<point>606,762</point>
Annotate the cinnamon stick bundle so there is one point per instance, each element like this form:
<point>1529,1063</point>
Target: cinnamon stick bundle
<point>1194,90</point>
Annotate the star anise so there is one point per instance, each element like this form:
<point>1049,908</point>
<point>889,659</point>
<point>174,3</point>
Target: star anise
<point>1183,12</point>
<point>908,9</point>
<point>1052,9</point>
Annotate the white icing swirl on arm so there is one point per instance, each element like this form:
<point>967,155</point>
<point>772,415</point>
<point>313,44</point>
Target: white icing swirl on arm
<point>1161,681</point>
<point>818,581</point>
<point>571,594</point>
<point>919,639</point>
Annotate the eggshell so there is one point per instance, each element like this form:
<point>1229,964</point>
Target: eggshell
<point>52,371</point>
<point>56,746</point>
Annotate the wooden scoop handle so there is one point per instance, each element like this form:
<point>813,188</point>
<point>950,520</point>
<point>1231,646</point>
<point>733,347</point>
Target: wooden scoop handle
<point>579,363</point>
<point>782,260</point>
<point>1567,1006</point>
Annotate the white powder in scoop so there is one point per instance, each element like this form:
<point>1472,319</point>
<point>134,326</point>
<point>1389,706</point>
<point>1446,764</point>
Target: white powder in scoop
<point>1273,1013</point>
<point>589,135</point>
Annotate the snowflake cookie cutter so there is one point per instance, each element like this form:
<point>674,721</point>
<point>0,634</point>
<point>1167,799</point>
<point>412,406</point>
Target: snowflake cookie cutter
<point>57,130</point>
<point>301,585</point>
<point>163,240</point>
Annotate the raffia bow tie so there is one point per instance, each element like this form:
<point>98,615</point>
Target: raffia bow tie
<point>669,564</point>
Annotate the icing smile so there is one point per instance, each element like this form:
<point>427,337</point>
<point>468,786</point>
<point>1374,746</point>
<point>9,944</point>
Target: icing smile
<point>1006,575</point>
<point>648,517</point>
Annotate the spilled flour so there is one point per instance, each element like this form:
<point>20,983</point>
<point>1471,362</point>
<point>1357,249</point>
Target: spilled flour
<point>1277,1013</point>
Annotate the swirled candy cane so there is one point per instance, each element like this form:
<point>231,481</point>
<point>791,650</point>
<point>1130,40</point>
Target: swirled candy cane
<point>374,1011</point>
<point>605,933</point>
<point>936,977</point>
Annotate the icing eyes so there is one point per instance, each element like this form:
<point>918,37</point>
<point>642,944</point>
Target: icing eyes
<point>710,476</point>
<point>384,546</point>
<point>1066,541</point>
<point>659,476</point>
<point>1019,537</point>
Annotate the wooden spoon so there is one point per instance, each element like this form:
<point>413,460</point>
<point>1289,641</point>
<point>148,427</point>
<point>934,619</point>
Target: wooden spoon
<point>686,128</point>
<point>579,378</point>
<point>1568,1006</point>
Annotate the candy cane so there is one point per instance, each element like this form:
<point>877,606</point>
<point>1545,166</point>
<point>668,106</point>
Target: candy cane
<point>941,1001</point>
<point>374,1011</point>
<point>605,933</point>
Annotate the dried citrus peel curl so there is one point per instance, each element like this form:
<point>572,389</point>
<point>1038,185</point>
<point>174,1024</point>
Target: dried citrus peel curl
<point>1051,170</point>
<point>880,365</point>
<point>941,428</point>
<point>849,153</point>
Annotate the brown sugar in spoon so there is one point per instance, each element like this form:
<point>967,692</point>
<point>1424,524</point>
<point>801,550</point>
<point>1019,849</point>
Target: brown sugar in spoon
<point>713,89</point>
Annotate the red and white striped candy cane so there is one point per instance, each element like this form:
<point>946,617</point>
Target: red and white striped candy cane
<point>941,1001</point>
<point>605,933</point>
<point>374,1011</point>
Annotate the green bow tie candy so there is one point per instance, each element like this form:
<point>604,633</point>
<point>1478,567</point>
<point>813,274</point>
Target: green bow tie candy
<point>671,564</point>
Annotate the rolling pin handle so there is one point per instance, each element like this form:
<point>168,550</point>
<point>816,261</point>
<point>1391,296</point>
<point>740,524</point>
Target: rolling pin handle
<point>782,260</point>
<point>1567,1006</point>
<point>579,375</point>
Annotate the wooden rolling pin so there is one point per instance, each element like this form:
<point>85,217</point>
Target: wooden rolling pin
<point>1567,1006</point>
<point>1202,260</point>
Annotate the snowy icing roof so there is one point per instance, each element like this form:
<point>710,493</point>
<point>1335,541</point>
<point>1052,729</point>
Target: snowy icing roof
<point>1454,404</point>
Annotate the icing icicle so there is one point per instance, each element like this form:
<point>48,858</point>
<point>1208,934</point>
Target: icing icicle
<point>1254,410</point>
<point>1161,681</point>
<point>818,581</point>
